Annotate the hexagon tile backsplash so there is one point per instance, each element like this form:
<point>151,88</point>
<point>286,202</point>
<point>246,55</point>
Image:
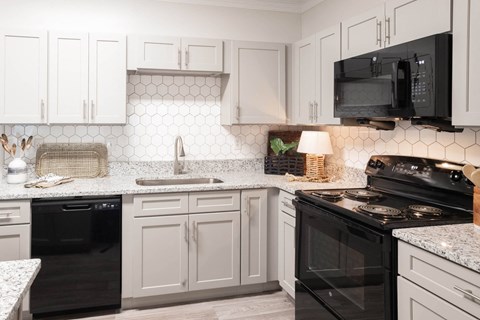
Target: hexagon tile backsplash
<point>161,107</point>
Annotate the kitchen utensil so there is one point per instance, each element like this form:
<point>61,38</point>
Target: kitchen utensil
<point>22,144</point>
<point>14,150</point>
<point>29,143</point>
<point>4,137</point>
<point>467,170</point>
<point>475,177</point>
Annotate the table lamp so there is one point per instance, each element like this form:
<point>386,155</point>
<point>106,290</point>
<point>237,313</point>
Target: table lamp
<point>316,144</point>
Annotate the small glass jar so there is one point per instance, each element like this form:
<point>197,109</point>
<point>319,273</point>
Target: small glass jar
<point>17,171</point>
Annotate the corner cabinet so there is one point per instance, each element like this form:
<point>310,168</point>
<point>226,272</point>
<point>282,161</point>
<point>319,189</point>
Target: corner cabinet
<point>466,69</point>
<point>175,54</point>
<point>255,90</point>
<point>254,236</point>
<point>313,82</point>
<point>395,22</point>
<point>431,287</point>
<point>23,76</point>
<point>286,243</point>
<point>87,78</point>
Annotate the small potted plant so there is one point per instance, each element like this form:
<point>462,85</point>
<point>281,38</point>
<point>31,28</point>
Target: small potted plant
<point>284,159</point>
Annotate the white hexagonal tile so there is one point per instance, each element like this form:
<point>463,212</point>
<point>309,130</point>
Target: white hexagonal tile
<point>412,135</point>
<point>380,146</point>
<point>157,80</point>
<point>399,135</point>
<point>145,79</point>
<point>391,147</point>
<point>428,136</point>
<point>151,89</point>
<point>445,138</point>
<point>405,148</point>
<point>349,143</point>
<point>465,138</point>
<point>134,79</point>
<point>358,144</point>
<point>140,89</point>
<point>162,89</point>
<point>454,152</point>
<point>436,151</point>
<point>200,81</point>
<point>168,80</point>
<point>472,155</point>
<point>173,90</point>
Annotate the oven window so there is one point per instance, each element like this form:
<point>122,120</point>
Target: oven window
<point>343,265</point>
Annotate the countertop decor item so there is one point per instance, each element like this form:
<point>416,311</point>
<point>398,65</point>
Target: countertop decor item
<point>17,171</point>
<point>75,160</point>
<point>316,144</point>
<point>47,181</point>
<point>282,156</point>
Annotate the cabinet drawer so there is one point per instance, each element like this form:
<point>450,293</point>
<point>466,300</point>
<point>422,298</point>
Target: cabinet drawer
<point>285,203</point>
<point>160,204</point>
<point>214,201</point>
<point>440,276</point>
<point>14,212</point>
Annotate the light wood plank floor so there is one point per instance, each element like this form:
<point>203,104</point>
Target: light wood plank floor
<point>269,306</point>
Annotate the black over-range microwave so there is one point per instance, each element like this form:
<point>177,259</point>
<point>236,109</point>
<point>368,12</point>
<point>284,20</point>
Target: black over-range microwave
<point>412,80</point>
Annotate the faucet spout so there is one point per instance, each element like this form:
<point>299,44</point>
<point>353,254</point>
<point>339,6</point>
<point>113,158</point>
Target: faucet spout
<point>178,152</point>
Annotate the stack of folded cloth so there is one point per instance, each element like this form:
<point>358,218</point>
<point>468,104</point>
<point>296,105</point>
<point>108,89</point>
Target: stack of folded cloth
<point>47,181</point>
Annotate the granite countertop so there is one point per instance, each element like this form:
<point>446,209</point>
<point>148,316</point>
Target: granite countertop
<point>459,243</point>
<point>118,184</point>
<point>16,277</point>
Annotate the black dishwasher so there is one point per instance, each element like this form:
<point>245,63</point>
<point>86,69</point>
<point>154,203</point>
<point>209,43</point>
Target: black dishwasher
<point>78,242</point>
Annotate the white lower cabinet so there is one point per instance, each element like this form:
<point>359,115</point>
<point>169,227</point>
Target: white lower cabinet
<point>254,236</point>
<point>160,260</point>
<point>214,250</point>
<point>431,287</point>
<point>286,243</point>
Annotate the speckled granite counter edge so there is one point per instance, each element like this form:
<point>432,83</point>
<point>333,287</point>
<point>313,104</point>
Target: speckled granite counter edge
<point>459,243</point>
<point>16,277</point>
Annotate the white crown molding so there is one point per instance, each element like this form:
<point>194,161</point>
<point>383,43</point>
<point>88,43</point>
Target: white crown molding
<point>294,6</point>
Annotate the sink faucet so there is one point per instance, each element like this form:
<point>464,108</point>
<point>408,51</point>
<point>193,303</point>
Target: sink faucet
<point>179,152</point>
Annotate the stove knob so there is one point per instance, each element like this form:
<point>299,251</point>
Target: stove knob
<point>372,163</point>
<point>456,175</point>
<point>379,164</point>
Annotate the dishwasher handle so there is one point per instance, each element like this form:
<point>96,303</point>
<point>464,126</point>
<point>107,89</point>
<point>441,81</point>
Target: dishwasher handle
<point>77,207</point>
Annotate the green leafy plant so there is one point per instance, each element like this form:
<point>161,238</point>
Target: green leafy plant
<point>279,147</point>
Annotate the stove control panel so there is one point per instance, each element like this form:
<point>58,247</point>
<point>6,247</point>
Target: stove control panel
<point>413,169</point>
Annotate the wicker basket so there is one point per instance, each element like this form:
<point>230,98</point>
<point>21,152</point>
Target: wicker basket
<point>76,160</point>
<point>284,164</point>
<point>315,167</point>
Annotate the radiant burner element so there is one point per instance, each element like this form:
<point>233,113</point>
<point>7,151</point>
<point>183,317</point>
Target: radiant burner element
<point>362,194</point>
<point>381,211</point>
<point>419,211</point>
<point>328,195</point>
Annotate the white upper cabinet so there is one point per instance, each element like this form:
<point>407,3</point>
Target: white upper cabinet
<point>466,70</point>
<point>313,82</point>
<point>87,78</point>
<point>68,77</point>
<point>175,54</point>
<point>108,79</point>
<point>255,91</point>
<point>395,22</point>
<point>23,76</point>
<point>363,33</point>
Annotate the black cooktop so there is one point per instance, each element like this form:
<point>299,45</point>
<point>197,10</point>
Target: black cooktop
<point>382,210</point>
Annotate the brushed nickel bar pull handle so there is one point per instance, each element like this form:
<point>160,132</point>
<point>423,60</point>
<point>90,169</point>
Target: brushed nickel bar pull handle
<point>187,57</point>
<point>288,205</point>
<point>5,215</point>
<point>184,282</point>
<point>42,109</point>
<point>379,33</point>
<point>247,206</point>
<point>310,111</point>
<point>85,111</point>
<point>387,31</point>
<point>92,110</point>
<point>315,110</point>
<point>179,59</point>
<point>186,231</point>
<point>467,294</point>
<point>194,225</point>
<point>238,112</point>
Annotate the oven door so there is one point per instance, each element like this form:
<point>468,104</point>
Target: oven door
<point>344,264</point>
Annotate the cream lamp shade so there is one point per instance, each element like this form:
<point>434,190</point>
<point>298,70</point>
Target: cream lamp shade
<point>315,144</point>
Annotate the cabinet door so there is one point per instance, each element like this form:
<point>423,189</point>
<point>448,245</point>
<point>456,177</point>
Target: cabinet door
<point>23,76</point>
<point>466,70</point>
<point>68,77</point>
<point>304,80</point>
<point>363,33</point>
<point>254,237</point>
<point>416,303</point>
<point>286,253</point>
<point>405,19</point>
<point>108,79</point>
<point>160,255</point>
<point>202,54</point>
<point>14,242</point>
<point>214,250</point>
<point>327,52</point>
<point>155,52</point>
<point>259,87</point>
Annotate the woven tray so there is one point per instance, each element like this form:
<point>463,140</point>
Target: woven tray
<point>76,160</point>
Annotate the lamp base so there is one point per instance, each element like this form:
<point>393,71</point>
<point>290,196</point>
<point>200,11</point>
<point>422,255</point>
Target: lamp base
<point>315,166</point>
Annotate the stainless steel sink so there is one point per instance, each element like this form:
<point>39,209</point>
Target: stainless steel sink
<point>172,182</point>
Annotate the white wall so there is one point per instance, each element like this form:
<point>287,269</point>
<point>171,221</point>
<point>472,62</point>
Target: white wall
<point>151,17</point>
<point>331,12</point>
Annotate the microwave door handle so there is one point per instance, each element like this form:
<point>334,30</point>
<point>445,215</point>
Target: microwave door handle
<point>395,66</point>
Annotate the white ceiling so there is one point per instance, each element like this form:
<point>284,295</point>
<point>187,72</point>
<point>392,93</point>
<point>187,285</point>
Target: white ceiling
<point>297,6</point>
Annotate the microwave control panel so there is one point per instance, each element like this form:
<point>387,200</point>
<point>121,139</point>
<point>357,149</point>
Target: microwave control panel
<point>421,83</point>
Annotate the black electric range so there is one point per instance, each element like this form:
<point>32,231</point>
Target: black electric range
<point>345,254</point>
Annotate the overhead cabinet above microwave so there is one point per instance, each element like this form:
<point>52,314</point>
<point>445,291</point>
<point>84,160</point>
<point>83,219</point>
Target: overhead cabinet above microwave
<point>395,22</point>
<point>172,54</point>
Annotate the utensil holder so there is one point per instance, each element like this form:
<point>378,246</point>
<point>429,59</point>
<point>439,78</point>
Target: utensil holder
<point>476,208</point>
<point>17,171</point>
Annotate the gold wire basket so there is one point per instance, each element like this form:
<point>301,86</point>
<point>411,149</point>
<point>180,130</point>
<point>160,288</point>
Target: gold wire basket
<point>76,160</point>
